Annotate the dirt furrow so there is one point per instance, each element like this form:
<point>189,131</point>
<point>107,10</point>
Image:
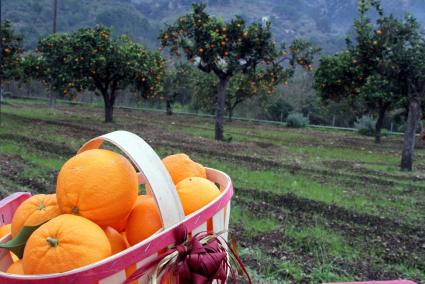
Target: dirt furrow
<point>215,150</point>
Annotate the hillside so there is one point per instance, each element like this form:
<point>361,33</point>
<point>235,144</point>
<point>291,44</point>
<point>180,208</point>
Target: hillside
<point>325,22</point>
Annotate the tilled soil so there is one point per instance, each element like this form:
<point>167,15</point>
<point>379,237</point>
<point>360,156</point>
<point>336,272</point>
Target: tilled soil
<point>158,138</point>
<point>398,243</point>
<point>11,167</point>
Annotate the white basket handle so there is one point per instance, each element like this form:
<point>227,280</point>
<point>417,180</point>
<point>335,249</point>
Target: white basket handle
<point>151,166</point>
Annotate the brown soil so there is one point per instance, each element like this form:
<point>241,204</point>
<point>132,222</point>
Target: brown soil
<point>398,243</point>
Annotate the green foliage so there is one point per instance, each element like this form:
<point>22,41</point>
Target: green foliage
<point>48,63</point>
<point>142,18</point>
<point>368,70</point>
<point>204,92</point>
<point>229,48</point>
<point>279,109</point>
<point>91,58</point>
<point>365,125</point>
<point>381,68</point>
<point>33,18</point>
<point>100,62</point>
<point>297,120</point>
<point>240,88</point>
<point>178,83</point>
<point>337,77</point>
<point>11,44</point>
<point>18,243</point>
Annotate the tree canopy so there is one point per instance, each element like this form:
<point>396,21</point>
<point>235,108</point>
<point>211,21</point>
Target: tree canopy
<point>92,59</point>
<point>229,48</point>
<point>381,68</point>
<point>11,44</point>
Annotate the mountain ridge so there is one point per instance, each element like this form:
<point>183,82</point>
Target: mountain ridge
<point>324,22</point>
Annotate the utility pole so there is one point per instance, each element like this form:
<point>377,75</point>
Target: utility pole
<point>55,11</point>
<point>52,93</point>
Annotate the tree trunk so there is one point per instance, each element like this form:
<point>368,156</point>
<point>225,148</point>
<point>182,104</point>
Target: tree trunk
<point>109,106</point>
<point>109,109</point>
<point>230,116</point>
<point>379,124</point>
<point>169,110</point>
<point>219,113</point>
<point>52,99</point>
<point>410,134</point>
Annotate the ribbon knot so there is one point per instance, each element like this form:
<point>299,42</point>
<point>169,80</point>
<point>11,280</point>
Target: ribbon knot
<point>198,260</point>
<point>203,262</point>
<point>182,250</point>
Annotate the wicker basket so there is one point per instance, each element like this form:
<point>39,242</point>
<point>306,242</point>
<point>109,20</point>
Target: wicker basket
<point>115,269</point>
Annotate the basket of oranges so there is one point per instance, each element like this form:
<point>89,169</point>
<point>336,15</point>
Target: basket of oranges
<point>97,228</point>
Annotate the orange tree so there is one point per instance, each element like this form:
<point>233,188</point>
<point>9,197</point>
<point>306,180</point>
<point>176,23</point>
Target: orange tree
<point>46,64</point>
<point>228,48</point>
<point>362,73</point>
<point>92,59</point>
<point>383,68</point>
<point>11,50</point>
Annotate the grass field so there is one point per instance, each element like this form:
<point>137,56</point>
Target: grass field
<point>311,206</point>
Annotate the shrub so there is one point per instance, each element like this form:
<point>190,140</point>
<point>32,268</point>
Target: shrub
<point>278,110</point>
<point>421,125</point>
<point>365,125</point>
<point>296,120</point>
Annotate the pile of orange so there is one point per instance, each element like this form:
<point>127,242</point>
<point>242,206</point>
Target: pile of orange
<point>97,212</point>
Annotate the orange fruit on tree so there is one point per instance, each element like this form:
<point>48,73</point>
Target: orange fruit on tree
<point>116,240</point>
<point>34,211</point>
<point>4,230</point>
<point>195,193</point>
<point>64,243</point>
<point>15,268</point>
<point>144,220</point>
<point>97,184</point>
<point>180,166</point>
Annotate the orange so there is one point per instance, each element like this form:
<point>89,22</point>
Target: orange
<point>144,220</point>
<point>124,236</point>
<point>14,257</point>
<point>99,185</point>
<point>180,166</point>
<point>120,225</point>
<point>115,239</point>
<point>64,243</point>
<point>4,230</point>
<point>34,211</point>
<point>16,268</point>
<point>195,193</point>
